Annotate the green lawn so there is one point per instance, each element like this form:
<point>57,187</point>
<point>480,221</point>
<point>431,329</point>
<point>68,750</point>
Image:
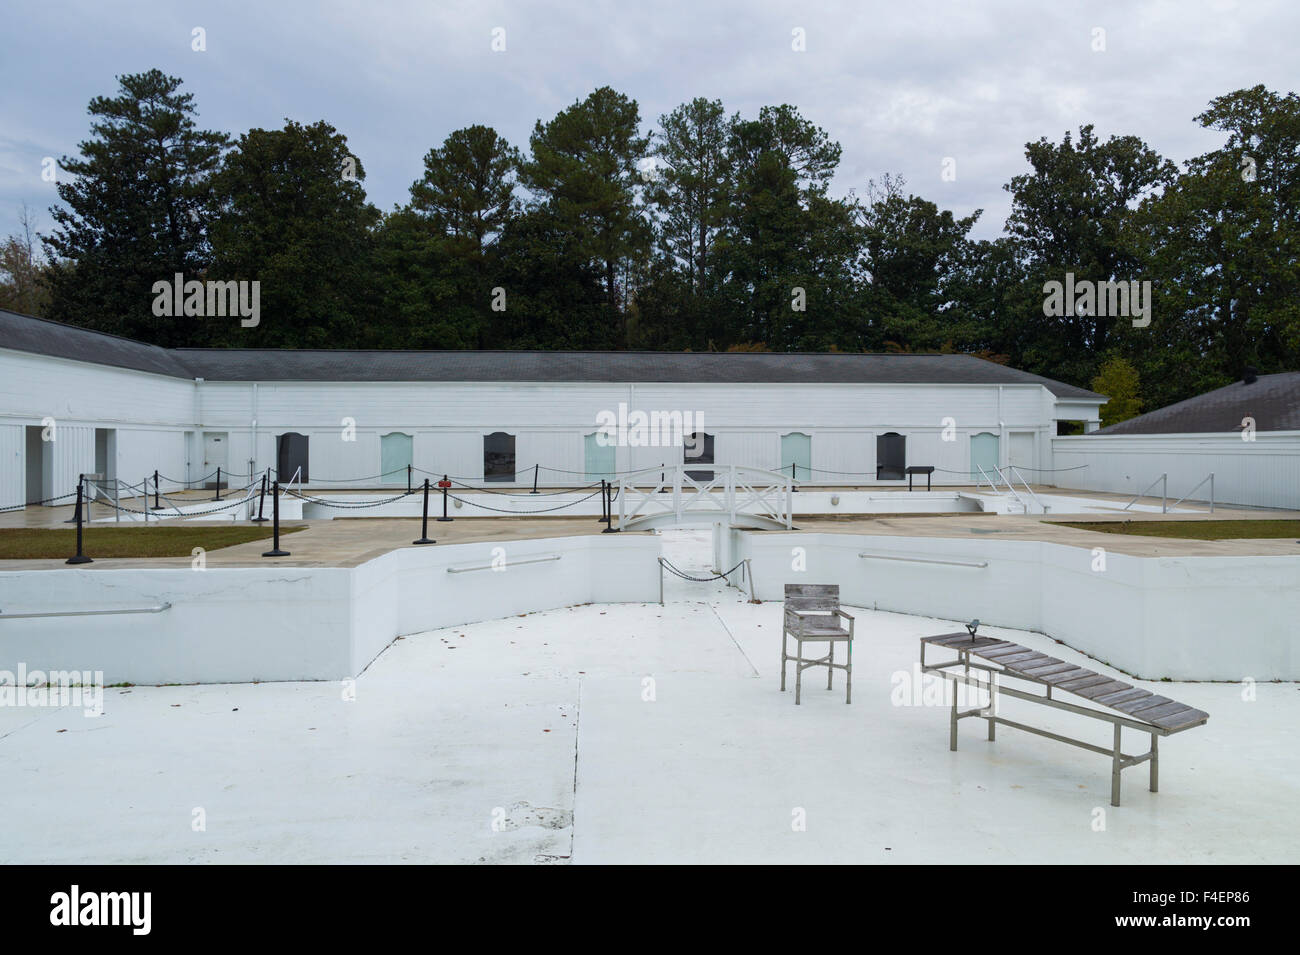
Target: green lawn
<point>1194,530</point>
<point>29,543</point>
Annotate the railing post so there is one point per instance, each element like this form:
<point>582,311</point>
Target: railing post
<point>608,493</point>
<point>794,475</point>
<point>408,479</point>
<point>275,524</point>
<point>218,497</point>
<point>445,485</point>
<point>603,503</point>
<point>80,556</point>
<point>156,505</point>
<point>261,499</point>
<point>424,521</point>
<point>534,490</point>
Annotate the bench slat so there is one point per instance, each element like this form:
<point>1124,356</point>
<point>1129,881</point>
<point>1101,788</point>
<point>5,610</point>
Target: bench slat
<point>1102,689</point>
<point>1135,707</point>
<point>1074,686</point>
<point>1122,696</point>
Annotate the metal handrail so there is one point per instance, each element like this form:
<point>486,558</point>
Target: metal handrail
<point>1210,478</point>
<point>84,613</point>
<point>1015,470</point>
<point>511,563</point>
<point>1164,494</point>
<point>926,560</point>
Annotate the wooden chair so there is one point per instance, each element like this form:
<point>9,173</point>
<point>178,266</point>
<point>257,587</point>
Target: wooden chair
<point>812,613</point>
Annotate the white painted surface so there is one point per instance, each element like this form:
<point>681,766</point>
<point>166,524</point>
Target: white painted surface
<point>1187,618</point>
<point>1264,472</point>
<point>299,623</point>
<point>545,718</point>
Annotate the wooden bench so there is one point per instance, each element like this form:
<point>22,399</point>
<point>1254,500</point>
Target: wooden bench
<point>1137,709</point>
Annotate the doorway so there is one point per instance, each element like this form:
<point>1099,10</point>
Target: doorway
<point>216,450</point>
<point>291,458</point>
<point>698,449</point>
<point>891,456</point>
<point>598,459</point>
<point>983,454</point>
<point>394,457</point>
<point>796,455</point>
<point>1020,451</point>
<point>38,465</point>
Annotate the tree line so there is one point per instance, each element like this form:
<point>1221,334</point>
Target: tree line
<point>708,231</point>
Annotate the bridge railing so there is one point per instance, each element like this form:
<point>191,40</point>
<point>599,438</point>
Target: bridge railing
<point>731,489</point>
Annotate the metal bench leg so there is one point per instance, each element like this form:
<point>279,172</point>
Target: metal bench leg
<point>1155,765</point>
<point>830,669</point>
<point>993,726</point>
<point>1114,769</point>
<point>952,725</point>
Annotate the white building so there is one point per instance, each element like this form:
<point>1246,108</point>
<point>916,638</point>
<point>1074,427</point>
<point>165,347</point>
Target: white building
<point>75,401</point>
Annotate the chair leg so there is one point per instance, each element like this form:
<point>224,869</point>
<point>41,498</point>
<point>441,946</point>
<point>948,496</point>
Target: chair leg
<point>798,670</point>
<point>848,674</point>
<point>784,657</point>
<point>1114,769</point>
<point>830,670</point>
<point>1155,764</point>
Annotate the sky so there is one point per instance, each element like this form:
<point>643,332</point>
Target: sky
<point>907,88</point>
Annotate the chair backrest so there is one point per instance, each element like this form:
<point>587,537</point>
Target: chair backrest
<point>812,596</point>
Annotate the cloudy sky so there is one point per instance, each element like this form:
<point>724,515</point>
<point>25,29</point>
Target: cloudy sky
<point>900,85</point>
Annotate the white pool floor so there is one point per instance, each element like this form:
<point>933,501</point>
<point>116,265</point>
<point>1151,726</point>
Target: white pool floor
<point>631,733</point>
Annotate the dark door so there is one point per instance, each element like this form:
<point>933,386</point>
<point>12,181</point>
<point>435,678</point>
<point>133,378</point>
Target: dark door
<point>698,449</point>
<point>290,455</point>
<point>891,456</point>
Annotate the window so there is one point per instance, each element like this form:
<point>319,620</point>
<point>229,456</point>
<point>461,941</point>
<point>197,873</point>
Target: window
<point>697,448</point>
<point>891,456</point>
<point>499,457</point>
<point>394,457</point>
<point>796,456</point>
<point>291,458</point>
<point>598,459</point>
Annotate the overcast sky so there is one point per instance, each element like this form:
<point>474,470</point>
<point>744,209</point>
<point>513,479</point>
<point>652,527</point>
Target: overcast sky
<point>901,86</point>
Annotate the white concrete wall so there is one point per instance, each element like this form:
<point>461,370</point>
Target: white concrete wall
<point>1186,618</point>
<point>1264,472</point>
<point>299,623</point>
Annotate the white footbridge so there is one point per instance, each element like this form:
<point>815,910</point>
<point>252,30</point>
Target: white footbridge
<point>705,493</point>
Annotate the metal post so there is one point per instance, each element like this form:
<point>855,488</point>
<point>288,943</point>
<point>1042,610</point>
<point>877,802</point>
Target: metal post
<point>794,476</point>
<point>275,524</point>
<point>408,479</point>
<point>156,505</point>
<point>218,497</point>
<point>424,524</point>
<point>80,557</point>
<point>261,499</point>
<point>609,509</point>
<point>601,519</point>
<point>445,485</point>
<point>534,490</point>
<point>1155,763</point>
<point>1114,768</point>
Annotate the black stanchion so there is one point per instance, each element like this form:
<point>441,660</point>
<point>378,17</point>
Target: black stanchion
<point>601,519</point>
<point>445,486</point>
<point>609,509</point>
<point>793,476</point>
<point>218,497</point>
<point>156,505</point>
<point>534,490</point>
<point>424,522</point>
<point>261,499</point>
<point>275,524</point>
<point>408,479</point>
<point>80,556</point>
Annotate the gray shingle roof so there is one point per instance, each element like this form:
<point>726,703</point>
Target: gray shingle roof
<point>1272,400</point>
<point>24,333</point>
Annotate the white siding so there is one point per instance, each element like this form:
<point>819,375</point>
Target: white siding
<point>1263,473</point>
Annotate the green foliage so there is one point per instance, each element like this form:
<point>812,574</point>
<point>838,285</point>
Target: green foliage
<point>1118,381</point>
<point>136,211</point>
<point>709,232</point>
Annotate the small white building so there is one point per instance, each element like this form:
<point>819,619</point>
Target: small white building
<point>76,401</point>
<point>1247,435</point>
